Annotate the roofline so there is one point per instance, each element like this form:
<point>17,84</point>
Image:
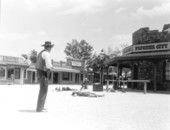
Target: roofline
<point>140,56</point>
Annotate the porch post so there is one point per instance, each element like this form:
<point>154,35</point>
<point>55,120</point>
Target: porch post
<point>118,69</point>
<point>155,72</point>
<point>107,82</point>
<point>132,75</point>
<point>135,72</point>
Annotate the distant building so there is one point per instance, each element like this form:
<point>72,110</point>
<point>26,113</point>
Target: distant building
<point>69,72</point>
<point>14,70</point>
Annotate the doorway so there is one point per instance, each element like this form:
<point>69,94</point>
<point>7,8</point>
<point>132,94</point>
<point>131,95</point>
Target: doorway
<point>33,77</point>
<point>76,78</point>
<point>55,78</point>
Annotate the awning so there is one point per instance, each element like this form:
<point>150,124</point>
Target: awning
<point>61,69</point>
<point>31,69</point>
<point>58,69</point>
<point>141,56</point>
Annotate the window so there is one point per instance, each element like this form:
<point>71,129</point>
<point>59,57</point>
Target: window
<point>17,73</point>
<point>167,71</point>
<point>65,76</point>
<point>2,72</point>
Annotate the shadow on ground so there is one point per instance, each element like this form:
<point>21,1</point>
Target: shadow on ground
<point>148,91</point>
<point>27,111</point>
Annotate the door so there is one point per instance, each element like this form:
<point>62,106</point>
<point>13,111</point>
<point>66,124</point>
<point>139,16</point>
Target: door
<point>55,78</point>
<point>76,78</point>
<point>33,77</point>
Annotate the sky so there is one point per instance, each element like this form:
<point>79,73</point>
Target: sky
<point>26,24</point>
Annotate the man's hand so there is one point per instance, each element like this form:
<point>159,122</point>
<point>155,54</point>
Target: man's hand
<point>50,69</point>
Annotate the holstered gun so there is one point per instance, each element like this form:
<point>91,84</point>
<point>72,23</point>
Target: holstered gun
<point>48,74</point>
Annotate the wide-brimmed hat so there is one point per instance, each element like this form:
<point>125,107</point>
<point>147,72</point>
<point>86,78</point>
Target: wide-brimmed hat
<point>48,44</point>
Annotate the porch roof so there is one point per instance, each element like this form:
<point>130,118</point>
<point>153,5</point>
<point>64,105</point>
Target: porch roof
<point>56,69</point>
<point>62,69</point>
<point>140,56</point>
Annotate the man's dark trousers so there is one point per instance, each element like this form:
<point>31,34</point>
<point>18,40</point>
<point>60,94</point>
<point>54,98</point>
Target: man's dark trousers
<point>43,79</point>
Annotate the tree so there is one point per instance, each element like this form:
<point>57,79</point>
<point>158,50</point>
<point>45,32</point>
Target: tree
<point>117,51</point>
<point>94,61</point>
<point>79,50</point>
<point>96,65</point>
<point>33,56</point>
<point>89,63</point>
<point>25,56</point>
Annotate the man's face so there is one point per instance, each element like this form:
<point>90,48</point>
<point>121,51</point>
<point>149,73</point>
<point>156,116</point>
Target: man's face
<point>48,48</point>
<point>102,57</point>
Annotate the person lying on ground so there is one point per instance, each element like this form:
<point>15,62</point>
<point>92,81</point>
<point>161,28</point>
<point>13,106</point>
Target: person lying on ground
<point>67,89</point>
<point>64,89</point>
<point>86,94</point>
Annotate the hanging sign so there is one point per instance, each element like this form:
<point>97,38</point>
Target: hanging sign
<point>76,63</point>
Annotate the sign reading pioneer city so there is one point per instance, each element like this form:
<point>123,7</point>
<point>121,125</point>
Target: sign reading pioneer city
<point>152,47</point>
<point>147,47</point>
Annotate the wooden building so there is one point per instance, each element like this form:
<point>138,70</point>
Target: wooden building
<point>15,70</point>
<point>148,58</point>
<point>69,72</point>
<point>12,70</point>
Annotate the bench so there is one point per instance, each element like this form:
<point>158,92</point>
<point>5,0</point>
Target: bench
<point>126,81</point>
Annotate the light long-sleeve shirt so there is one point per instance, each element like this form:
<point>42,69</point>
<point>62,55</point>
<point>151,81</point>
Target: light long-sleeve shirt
<point>47,58</point>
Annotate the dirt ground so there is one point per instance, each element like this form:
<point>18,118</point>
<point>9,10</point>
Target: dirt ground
<point>114,111</point>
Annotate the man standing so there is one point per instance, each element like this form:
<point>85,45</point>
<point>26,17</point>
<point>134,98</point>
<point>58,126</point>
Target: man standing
<point>43,66</point>
<point>84,83</point>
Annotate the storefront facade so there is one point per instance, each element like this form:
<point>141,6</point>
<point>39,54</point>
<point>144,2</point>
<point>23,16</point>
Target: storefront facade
<point>148,58</point>
<point>69,72</point>
<point>12,70</point>
<point>15,70</point>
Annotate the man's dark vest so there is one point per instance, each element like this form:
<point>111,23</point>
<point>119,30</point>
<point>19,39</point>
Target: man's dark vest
<point>40,64</point>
